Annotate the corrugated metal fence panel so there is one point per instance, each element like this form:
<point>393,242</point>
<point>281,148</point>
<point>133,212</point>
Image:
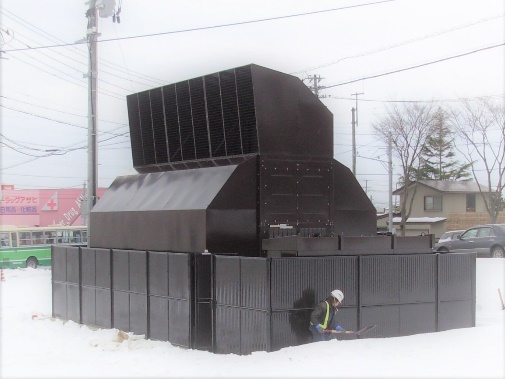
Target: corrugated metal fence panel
<point>418,278</point>
<point>121,310</point>
<point>88,267</point>
<point>66,278</point>
<point>290,328</point>
<point>73,265</point>
<point>137,263</point>
<point>158,273</point>
<point>227,280</point>
<point>379,280</point>
<point>129,298</point>
<point>59,275</point>
<point>59,300</point>
<point>255,283</point>
<point>226,330</point>
<point>179,275</point>
<point>399,319</point>
<point>120,270</point>
<point>395,279</point>
<point>201,328</point>
<point>88,294</point>
<point>456,308</point>
<point>179,322</point>
<point>303,281</point>
<point>130,312</point>
<point>103,313</point>
<point>456,276</point>
<point>203,275</point>
<point>254,331</point>
<point>103,261</point>
<point>456,314</point>
<point>73,303</point>
<point>96,291</point>
<point>138,313</point>
<point>386,317</point>
<point>158,318</point>
<point>418,318</point>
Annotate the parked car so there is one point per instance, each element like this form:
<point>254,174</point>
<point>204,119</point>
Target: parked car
<point>486,240</point>
<point>451,235</point>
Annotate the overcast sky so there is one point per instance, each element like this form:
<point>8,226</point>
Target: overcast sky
<point>44,94</point>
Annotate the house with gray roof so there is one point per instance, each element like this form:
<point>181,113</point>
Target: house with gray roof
<point>437,199</point>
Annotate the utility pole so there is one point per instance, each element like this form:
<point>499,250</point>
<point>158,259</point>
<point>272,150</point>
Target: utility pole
<point>316,79</point>
<point>354,126</point>
<point>91,35</point>
<point>356,96</point>
<point>84,206</point>
<point>105,8</point>
<point>353,143</point>
<point>390,172</point>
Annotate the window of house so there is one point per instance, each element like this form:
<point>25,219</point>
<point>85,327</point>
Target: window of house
<point>433,203</point>
<point>470,202</point>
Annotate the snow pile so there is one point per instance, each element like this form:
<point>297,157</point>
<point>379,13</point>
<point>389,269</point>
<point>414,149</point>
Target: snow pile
<point>36,346</point>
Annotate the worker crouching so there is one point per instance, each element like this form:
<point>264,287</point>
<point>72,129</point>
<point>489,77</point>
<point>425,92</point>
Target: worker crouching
<point>324,317</point>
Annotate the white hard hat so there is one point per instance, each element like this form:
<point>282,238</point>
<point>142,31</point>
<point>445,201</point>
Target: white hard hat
<point>337,294</point>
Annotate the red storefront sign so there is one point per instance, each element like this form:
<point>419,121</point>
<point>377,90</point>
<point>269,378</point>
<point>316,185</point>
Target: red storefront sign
<point>25,202</point>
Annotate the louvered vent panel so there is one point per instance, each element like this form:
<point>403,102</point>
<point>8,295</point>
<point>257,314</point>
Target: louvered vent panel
<point>215,116</point>
<point>199,118</point>
<point>135,135</point>
<point>247,112</point>
<point>146,128</point>
<point>172,120</point>
<point>185,121</point>
<point>230,113</point>
<point>159,132</point>
<point>206,117</point>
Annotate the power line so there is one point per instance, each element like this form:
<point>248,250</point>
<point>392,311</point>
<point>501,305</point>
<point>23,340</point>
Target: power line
<point>60,111</point>
<point>72,49</point>
<point>419,65</point>
<point>58,121</point>
<point>420,101</point>
<point>209,27</point>
<point>407,42</point>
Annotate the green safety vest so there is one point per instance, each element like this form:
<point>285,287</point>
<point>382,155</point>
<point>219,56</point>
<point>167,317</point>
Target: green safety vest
<point>327,315</point>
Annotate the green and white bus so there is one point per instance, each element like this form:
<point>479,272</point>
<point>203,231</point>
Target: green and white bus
<point>23,246</point>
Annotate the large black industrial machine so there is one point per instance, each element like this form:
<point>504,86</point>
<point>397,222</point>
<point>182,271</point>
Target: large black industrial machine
<point>226,160</point>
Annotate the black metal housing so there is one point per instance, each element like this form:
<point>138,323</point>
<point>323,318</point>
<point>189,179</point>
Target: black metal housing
<point>226,160</point>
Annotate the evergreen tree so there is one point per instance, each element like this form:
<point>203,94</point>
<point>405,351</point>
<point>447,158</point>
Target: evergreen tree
<point>437,156</point>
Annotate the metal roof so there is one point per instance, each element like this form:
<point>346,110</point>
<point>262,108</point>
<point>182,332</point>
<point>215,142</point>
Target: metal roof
<point>452,186</point>
<point>172,190</point>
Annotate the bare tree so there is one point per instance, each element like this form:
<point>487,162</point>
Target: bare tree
<point>480,125</point>
<point>409,126</point>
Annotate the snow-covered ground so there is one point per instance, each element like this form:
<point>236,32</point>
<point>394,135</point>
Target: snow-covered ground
<point>44,348</point>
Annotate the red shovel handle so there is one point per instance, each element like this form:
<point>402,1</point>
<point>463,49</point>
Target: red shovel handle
<point>336,331</point>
